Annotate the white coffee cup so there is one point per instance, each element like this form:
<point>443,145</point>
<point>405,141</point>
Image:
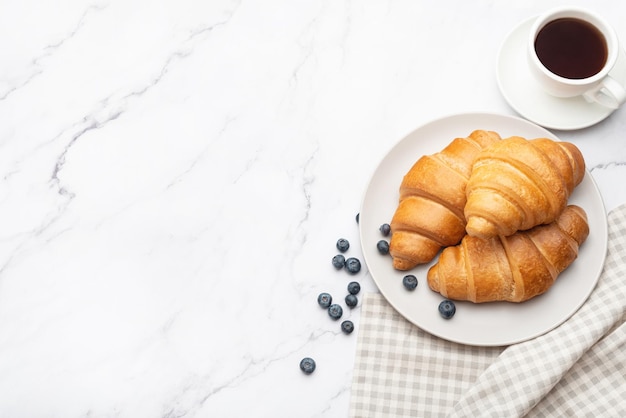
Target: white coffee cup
<point>551,50</point>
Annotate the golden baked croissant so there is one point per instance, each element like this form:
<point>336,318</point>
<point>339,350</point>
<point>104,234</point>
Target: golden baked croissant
<point>514,268</point>
<point>519,183</point>
<point>432,196</point>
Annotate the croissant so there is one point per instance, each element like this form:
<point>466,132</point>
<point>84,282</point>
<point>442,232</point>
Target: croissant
<point>429,215</point>
<point>518,183</point>
<point>514,268</point>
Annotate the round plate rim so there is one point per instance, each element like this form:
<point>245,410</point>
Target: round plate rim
<point>601,233</point>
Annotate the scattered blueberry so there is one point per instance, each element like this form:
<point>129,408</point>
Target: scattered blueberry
<point>409,282</point>
<point>383,246</point>
<point>354,288</point>
<point>307,365</point>
<point>347,327</point>
<point>351,301</point>
<point>385,229</point>
<point>324,300</point>
<point>353,265</point>
<point>357,217</point>
<point>335,311</point>
<point>339,261</point>
<point>343,245</point>
<point>447,309</point>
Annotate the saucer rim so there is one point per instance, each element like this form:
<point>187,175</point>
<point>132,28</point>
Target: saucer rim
<point>505,91</point>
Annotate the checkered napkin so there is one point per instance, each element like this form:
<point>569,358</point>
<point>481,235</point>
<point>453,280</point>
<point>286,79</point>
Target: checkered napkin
<point>576,370</point>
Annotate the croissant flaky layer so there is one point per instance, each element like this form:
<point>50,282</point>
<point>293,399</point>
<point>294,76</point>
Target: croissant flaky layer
<point>429,215</point>
<point>514,268</point>
<point>517,184</point>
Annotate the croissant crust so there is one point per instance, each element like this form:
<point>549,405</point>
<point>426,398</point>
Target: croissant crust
<point>514,268</point>
<point>430,215</point>
<point>517,184</point>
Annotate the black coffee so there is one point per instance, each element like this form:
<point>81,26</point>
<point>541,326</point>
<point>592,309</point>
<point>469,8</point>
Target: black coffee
<point>571,48</point>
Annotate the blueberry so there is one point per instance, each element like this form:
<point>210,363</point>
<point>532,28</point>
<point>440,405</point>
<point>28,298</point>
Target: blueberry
<point>347,327</point>
<point>409,282</point>
<point>447,309</point>
<point>335,311</point>
<point>307,365</point>
<point>385,229</point>
<point>383,246</point>
<point>351,301</point>
<point>354,288</point>
<point>358,215</point>
<point>339,261</point>
<point>353,265</point>
<point>343,245</point>
<point>324,300</point>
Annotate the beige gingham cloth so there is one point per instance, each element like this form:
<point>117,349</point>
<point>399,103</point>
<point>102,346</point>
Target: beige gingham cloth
<point>576,370</point>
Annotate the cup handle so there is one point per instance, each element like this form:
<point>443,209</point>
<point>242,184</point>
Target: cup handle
<point>608,92</point>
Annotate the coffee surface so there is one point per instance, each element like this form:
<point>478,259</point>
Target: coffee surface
<point>571,48</point>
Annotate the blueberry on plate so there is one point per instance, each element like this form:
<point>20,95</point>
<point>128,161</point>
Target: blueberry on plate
<point>347,327</point>
<point>383,246</point>
<point>385,229</point>
<point>335,311</point>
<point>358,215</point>
<point>353,265</point>
<point>343,245</point>
<point>339,261</point>
<point>447,309</point>
<point>409,282</point>
<point>351,301</point>
<point>324,299</point>
<point>307,365</point>
<point>354,288</point>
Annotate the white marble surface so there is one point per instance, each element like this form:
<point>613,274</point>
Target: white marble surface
<point>174,176</point>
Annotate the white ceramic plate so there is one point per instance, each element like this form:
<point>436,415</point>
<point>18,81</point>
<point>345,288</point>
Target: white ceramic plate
<point>488,324</point>
<point>524,95</point>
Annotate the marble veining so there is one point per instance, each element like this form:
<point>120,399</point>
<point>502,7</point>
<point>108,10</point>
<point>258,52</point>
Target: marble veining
<point>174,177</point>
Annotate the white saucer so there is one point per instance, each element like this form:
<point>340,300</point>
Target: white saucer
<point>524,95</point>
